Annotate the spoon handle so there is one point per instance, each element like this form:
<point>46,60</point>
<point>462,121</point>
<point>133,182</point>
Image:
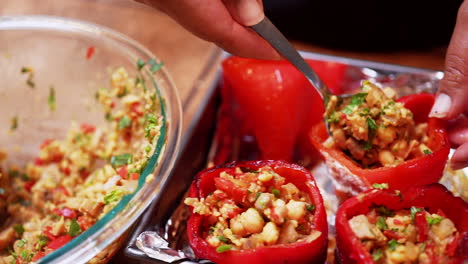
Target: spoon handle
<point>270,33</point>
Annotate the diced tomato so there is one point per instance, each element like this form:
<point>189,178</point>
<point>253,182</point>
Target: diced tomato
<point>452,245</point>
<point>39,162</point>
<point>372,216</point>
<point>87,128</point>
<point>89,52</point>
<point>237,193</point>
<point>134,176</point>
<point>430,251</point>
<point>59,242</point>
<point>137,108</point>
<point>66,212</point>
<point>19,260</point>
<point>392,234</point>
<point>85,222</point>
<point>62,190</point>
<point>29,184</point>
<point>123,172</point>
<point>45,143</point>
<point>112,104</point>
<point>66,171</point>
<point>422,225</point>
<point>48,233</point>
<point>397,222</point>
<point>38,256</point>
<point>84,174</point>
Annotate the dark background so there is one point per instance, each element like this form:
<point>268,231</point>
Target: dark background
<point>366,25</point>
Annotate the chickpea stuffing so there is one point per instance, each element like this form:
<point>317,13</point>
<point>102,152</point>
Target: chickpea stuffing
<point>375,130</point>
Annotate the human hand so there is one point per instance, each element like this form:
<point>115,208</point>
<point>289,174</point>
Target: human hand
<point>224,22</point>
<point>452,98</point>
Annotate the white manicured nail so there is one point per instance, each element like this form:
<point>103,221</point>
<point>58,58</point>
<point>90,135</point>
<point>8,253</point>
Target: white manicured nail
<point>441,106</point>
<point>250,12</point>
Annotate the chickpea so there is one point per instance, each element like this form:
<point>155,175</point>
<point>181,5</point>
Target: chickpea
<point>270,234</point>
<point>264,201</point>
<point>296,210</point>
<point>386,158</point>
<point>386,135</point>
<point>339,137</point>
<point>249,222</point>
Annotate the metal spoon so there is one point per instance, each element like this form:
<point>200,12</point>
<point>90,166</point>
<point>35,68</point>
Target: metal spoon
<point>270,33</point>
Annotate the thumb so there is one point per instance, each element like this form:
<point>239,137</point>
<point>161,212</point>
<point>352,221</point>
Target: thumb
<point>245,12</point>
<point>452,97</point>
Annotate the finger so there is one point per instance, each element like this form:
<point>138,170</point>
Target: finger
<point>460,158</point>
<point>458,131</point>
<point>212,21</point>
<point>452,97</point>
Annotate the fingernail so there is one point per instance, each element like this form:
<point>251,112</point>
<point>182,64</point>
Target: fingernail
<point>250,12</point>
<point>441,106</point>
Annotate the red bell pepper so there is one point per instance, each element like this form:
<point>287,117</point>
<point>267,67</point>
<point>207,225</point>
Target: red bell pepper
<point>433,198</point>
<point>273,103</point>
<point>414,172</point>
<point>298,252</point>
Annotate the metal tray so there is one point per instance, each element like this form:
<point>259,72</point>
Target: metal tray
<point>167,217</point>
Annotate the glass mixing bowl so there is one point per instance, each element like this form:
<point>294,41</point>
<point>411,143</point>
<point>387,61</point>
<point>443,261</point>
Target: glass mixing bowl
<point>76,58</point>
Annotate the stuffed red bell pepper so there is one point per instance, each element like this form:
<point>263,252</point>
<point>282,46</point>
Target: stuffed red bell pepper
<point>375,139</point>
<point>257,212</point>
<point>422,225</point>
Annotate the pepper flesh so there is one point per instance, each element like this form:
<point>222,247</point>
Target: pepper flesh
<point>433,197</point>
<point>299,252</point>
<point>414,172</point>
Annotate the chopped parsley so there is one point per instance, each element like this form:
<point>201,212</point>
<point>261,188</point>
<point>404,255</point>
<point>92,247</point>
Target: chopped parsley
<point>26,256</point>
<point>74,228</point>
<point>19,229</point>
<point>367,145</point>
<point>140,64</point>
<point>334,117</point>
<point>364,112</point>
<point>427,152</point>
<point>377,254</point>
<point>155,66</point>
<point>121,160</point>
<point>14,123</point>
<point>310,207</point>
<point>30,72</point>
<point>113,196</point>
<point>51,99</point>
<point>356,101</point>
<point>223,248</point>
<point>223,239</point>
<point>393,244</point>
<point>381,223</point>
<point>276,193</point>
<point>371,124</point>
<point>21,243</point>
<point>43,240</point>
<point>124,122</point>
<point>148,149</point>
<point>380,185</point>
<point>257,195</point>
<point>414,211</point>
<point>433,220</point>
